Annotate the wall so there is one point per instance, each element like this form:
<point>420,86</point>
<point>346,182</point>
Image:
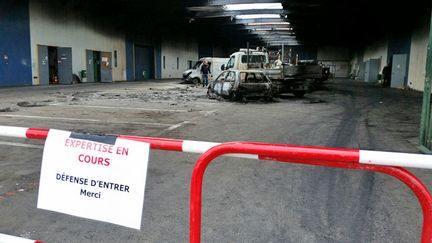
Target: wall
<point>333,53</point>
<point>400,43</point>
<point>303,52</point>
<point>417,63</point>
<point>336,58</point>
<point>356,59</point>
<point>64,29</point>
<point>338,69</point>
<point>219,51</point>
<point>205,50</point>
<point>185,50</point>
<point>377,50</point>
<point>15,59</point>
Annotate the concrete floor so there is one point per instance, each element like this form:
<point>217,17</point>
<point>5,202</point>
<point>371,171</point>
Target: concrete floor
<point>244,200</point>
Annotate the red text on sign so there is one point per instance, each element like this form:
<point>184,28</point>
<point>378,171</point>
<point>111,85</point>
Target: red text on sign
<point>91,159</point>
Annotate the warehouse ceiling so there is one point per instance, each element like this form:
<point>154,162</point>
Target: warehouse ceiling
<point>307,22</point>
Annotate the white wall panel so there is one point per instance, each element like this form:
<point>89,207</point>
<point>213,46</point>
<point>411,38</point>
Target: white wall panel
<point>173,48</point>
<point>336,58</point>
<point>64,29</point>
<point>377,50</point>
<point>417,68</point>
<point>333,53</point>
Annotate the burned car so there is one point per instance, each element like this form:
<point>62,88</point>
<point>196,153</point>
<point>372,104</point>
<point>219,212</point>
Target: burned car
<point>241,84</point>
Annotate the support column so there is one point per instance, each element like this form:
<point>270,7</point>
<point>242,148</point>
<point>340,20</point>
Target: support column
<point>426,126</point>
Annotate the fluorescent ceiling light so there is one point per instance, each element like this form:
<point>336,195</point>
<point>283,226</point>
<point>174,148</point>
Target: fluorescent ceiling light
<point>262,29</point>
<point>282,41</point>
<point>279,38</point>
<point>268,23</point>
<point>285,43</point>
<point>281,30</point>
<point>257,16</point>
<point>249,6</point>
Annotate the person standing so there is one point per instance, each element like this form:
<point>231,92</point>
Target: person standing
<point>386,72</point>
<point>205,71</point>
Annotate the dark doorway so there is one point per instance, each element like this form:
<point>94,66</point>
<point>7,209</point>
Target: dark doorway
<point>97,66</point>
<point>53,65</point>
<point>144,62</point>
<point>93,66</point>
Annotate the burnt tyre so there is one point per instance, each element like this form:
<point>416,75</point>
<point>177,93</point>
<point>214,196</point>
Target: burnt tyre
<point>233,96</point>
<point>195,81</point>
<point>268,98</point>
<point>299,94</point>
<point>210,94</point>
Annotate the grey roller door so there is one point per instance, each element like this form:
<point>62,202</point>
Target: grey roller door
<point>64,55</point>
<point>43,65</point>
<point>398,71</point>
<point>106,67</point>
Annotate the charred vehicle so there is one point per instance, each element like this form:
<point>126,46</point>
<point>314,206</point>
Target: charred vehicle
<point>241,84</point>
<point>295,79</point>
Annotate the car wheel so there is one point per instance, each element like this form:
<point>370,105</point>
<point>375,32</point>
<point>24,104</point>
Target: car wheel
<point>233,96</point>
<point>299,94</point>
<point>195,81</point>
<point>268,98</point>
<point>210,93</point>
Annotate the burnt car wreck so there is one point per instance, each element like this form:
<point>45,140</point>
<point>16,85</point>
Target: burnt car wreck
<point>241,84</point>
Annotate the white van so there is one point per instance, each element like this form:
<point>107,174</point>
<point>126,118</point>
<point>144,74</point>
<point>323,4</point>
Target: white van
<point>194,75</point>
<point>238,60</point>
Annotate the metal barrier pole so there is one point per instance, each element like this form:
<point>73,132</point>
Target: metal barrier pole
<point>302,156</point>
<point>378,161</point>
<point>14,239</point>
<point>188,146</point>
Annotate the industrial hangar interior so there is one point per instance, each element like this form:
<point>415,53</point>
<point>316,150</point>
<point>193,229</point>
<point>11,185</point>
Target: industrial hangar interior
<point>338,90</point>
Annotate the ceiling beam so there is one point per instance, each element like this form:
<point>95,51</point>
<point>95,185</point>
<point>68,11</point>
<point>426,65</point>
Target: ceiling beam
<point>267,26</point>
<point>267,32</point>
<point>224,2</point>
<point>223,13</point>
<point>246,21</point>
<point>278,39</point>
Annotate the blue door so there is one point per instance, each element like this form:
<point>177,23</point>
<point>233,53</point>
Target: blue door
<point>144,62</point>
<point>399,71</point>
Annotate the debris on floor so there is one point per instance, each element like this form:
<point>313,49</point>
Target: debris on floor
<point>8,109</point>
<point>31,104</point>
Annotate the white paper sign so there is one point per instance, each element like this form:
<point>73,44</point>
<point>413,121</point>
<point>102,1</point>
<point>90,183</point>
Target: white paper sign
<point>96,177</point>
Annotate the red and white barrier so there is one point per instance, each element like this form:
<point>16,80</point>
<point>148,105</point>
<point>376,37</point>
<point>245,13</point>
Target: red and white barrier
<point>326,154</point>
<point>13,239</point>
<point>346,159</point>
<point>376,161</point>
